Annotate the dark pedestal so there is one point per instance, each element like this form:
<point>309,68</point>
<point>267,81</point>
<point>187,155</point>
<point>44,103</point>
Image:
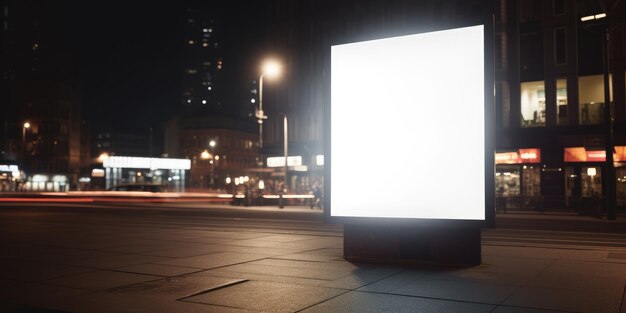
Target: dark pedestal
<point>412,245</point>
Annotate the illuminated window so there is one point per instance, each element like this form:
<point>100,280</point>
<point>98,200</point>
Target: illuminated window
<point>533,104</point>
<point>591,98</point>
<point>210,88</point>
<point>561,101</point>
<point>191,71</point>
<point>191,42</point>
<point>205,45</point>
<point>203,101</point>
<point>205,30</point>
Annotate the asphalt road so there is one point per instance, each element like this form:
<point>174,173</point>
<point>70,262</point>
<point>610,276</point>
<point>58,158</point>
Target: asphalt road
<point>515,231</point>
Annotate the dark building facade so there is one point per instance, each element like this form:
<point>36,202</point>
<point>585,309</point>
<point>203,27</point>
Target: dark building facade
<point>212,128</point>
<point>222,150</point>
<point>551,126</point>
<point>41,121</point>
<point>550,122</point>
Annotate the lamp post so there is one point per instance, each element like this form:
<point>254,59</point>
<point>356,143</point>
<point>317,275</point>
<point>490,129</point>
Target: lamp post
<point>608,111</point>
<point>285,147</point>
<point>281,202</point>
<point>270,68</point>
<point>211,157</point>
<point>24,127</point>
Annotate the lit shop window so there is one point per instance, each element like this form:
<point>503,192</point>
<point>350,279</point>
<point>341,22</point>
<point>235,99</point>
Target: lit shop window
<point>591,99</point>
<point>533,104</point>
<point>561,101</point>
<point>591,181</point>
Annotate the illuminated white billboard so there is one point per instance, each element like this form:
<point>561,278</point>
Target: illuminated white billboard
<point>408,100</point>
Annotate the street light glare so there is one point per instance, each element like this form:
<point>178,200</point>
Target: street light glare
<point>27,125</point>
<point>271,68</point>
<point>592,17</point>
<point>205,155</point>
<point>587,18</point>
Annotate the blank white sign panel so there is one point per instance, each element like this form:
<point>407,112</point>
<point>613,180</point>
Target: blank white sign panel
<point>408,126</point>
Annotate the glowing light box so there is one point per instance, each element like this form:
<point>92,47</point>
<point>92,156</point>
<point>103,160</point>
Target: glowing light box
<point>397,105</point>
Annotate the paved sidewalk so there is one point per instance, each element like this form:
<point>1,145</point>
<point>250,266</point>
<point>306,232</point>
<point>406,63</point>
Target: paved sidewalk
<point>73,262</point>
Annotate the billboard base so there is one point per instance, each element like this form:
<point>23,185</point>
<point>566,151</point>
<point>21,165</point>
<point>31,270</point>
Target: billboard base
<point>412,245</point>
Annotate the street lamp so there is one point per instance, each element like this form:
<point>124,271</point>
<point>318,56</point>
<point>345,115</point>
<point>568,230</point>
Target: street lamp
<point>24,127</point>
<point>102,157</point>
<point>272,69</point>
<point>285,145</point>
<point>608,111</point>
<point>205,155</point>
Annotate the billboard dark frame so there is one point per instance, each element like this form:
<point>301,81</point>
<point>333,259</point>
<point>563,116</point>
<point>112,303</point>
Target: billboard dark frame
<point>489,128</point>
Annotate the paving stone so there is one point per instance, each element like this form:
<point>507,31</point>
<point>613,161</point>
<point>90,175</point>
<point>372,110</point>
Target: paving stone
<point>175,288</point>
<point>393,282</point>
<point>99,280</point>
<point>105,302</point>
<point>363,302</point>
<point>36,271</point>
<point>457,290</point>
<point>583,280</point>
<point>157,269</point>
<point>587,301</point>
<point>35,294</point>
<point>189,251</point>
<point>267,296</point>
<point>118,260</point>
<point>510,309</point>
<point>214,260</point>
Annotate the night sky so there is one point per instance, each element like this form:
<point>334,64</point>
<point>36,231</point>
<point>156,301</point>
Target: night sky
<point>126,56</point>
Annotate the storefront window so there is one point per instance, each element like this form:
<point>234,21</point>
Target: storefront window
<point>591,181</point>
<point>508,181</point>
<point>561,101</point>
<point>532,181</point>
<point>591,99</point>
<point>533,104</point>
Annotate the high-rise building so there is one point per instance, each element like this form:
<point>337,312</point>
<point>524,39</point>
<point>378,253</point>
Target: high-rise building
<point>211,129</point>
<point>203,64</point>
<point>41,121</point>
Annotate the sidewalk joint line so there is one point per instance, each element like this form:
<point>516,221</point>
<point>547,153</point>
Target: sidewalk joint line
<point>224,285</point>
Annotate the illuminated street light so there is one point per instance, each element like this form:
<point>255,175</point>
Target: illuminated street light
<point>205,155</point>
<point>592,17</point>
<point>103,156</point>
<point>212,143</point>
<point>611,193</point>
<point>24,127</point>
<point>272,69</point>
